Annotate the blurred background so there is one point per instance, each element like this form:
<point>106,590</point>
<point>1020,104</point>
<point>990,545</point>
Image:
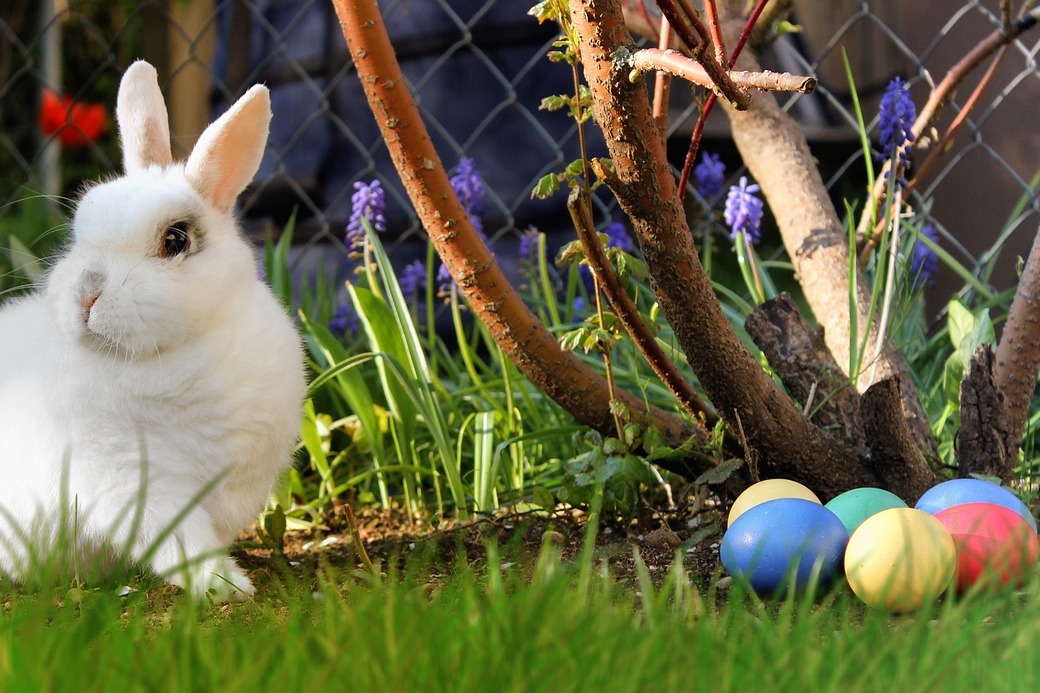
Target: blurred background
<point>478,70</point>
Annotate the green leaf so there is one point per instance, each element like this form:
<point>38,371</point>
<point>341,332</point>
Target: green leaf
<point>544,11</point>
<point>953,373</point>
<point>274,527</point>
<point>960,321</point>
<point>546,186</point>
<point>554,103</point>
<point>720,472</point>
<point>276,260</point>
<point>543,497</point>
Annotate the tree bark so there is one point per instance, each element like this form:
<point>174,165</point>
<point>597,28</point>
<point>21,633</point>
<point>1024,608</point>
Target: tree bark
<point>807,369</point>
<point>786,443</point>
<point>987,440</point>
<point>525,340</point>
<point>1018,354</point>
<point>896,459</point>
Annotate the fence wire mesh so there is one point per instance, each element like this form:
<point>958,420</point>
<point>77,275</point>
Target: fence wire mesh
<point>479,72</point>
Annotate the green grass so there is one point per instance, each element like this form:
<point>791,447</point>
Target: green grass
<point>505,631</point>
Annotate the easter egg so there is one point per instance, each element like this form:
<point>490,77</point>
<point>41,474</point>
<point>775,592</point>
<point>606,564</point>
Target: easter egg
<point>768,490</point>
<point>995,545</point>
<point>855,506</point>
<point>783,539</point>
<point>899,559</point>
<point>960,491</point>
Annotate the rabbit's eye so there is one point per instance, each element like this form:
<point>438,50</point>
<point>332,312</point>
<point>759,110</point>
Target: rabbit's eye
<point>176,239</point>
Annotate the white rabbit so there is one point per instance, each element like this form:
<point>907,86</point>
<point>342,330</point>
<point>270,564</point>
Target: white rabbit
<point>151,390</point>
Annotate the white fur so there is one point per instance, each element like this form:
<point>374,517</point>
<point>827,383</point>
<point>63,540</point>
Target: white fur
<point>182,371</point>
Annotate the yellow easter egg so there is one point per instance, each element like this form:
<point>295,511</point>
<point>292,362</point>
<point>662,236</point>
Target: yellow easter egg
<point>899,559</point>
<point>768,490</point>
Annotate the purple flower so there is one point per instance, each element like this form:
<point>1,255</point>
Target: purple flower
<point>528,252</point>
<point>445,281</point>
<point>345,320</point>
<point>469,187</point>
<point>529,245</point>
<point>710,174</point>
<point>897,115</point>
<point>413,279</point>
<point>578,309</point>
<point>617,237</point>
<point>367,202</point>
<point>743,212</point>
<point>925,262</point>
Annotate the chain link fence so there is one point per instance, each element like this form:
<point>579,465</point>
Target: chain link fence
<point>479,72</point>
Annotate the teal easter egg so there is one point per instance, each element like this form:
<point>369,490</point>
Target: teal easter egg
<point>855,506</point>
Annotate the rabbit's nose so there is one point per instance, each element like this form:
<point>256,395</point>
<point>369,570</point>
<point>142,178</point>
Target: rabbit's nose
<point>90,288</point>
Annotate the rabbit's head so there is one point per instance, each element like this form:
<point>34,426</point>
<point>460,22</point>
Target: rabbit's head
<point>156,255</point>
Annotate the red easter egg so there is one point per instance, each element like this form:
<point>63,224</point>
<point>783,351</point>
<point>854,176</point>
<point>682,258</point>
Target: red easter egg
<point>995,545</point>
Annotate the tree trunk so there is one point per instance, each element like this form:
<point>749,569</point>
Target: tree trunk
<point>785,442</point>
<point>777,155</point>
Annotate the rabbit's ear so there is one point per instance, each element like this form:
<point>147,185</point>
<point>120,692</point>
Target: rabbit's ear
<point>228,152</point>
<point>144,127</point>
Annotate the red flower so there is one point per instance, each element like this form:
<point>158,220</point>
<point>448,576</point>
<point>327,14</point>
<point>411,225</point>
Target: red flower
<point>75,124</point>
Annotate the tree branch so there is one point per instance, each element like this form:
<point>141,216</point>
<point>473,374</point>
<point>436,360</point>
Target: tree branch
<point>536,353</point>
<point>626,311</point>
<point>676,64</point>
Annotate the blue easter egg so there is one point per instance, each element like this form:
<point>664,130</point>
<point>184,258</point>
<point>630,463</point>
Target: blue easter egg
<point>784,538</point>
<point>961,491</point>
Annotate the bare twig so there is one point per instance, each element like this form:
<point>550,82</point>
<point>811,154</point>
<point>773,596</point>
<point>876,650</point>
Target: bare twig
<point>678,15</point>
<point>676,64</point>
<point>709,103</point>
<point>716,31</point>
<point>581,214</point>
<point>662,87</point>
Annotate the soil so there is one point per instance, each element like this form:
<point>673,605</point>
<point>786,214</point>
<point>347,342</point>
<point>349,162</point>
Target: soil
<point>393,540</point>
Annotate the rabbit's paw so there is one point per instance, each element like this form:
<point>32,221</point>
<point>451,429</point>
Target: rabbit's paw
<point>216,579</point>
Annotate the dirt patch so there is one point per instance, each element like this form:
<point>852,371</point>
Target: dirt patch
<point>398,543</point>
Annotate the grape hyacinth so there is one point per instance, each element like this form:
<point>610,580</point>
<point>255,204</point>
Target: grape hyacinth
<point>743,212</point>
<point>710,175</point>
<point>527,252</point>
<point>897,115</point>
<point>444,280</point>
<point>367,202</point>
<point>617,237</point>
<point>529,245</point>
<point>345,320</point>
<point>578,309</point>
<point>469,186</point>
<point>925,262</point>
<point>413,280</point>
